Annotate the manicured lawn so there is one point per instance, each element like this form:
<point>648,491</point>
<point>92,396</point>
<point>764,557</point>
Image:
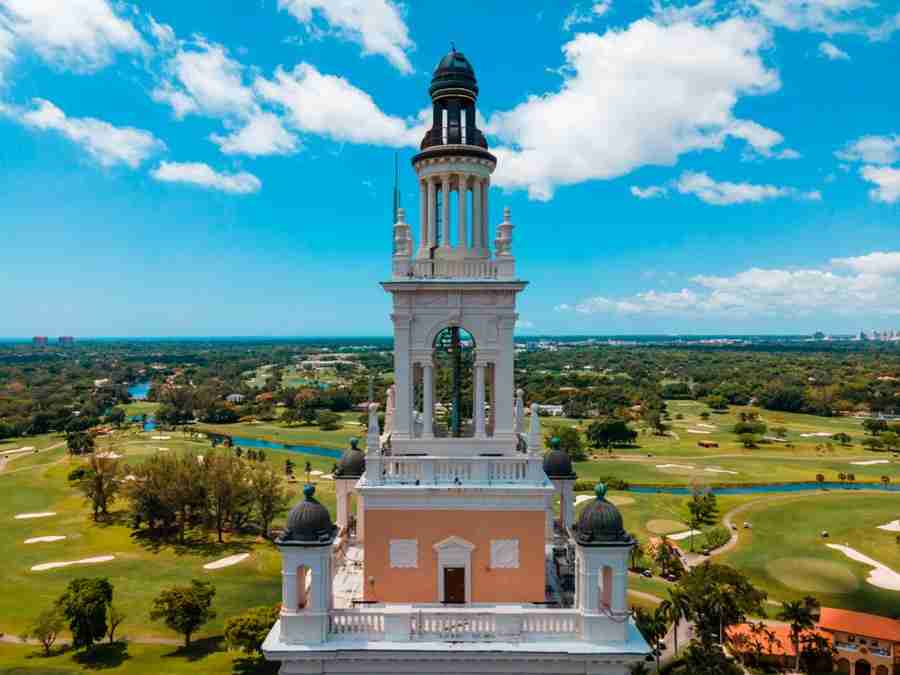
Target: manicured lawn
<point>296,435</point>
<point>785,554</point>
<point>141,568</point>
<point>136,659</point>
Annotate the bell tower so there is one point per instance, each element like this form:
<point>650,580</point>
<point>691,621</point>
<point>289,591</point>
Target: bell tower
<point>454,289</point>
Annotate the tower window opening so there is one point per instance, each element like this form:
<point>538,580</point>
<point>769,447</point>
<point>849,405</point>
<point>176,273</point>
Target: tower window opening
<point>462,122</point>
<point>444,125</point>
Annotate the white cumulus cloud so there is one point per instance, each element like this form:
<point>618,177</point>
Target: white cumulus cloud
<point>877,262</point>
<point>872,149</point>
<point>203,175</point>
<point>650,192</point>
<point>263,134</point>
<point>642,95</point>
<point>887,183</point>
<point>831,17</point>
<point>725,193</point>
<point>82,35</point>
<point>832,52</point>
<point>871,284</point>
<point>377,25</point>
<point>109,145</point>
<point>329,105</point>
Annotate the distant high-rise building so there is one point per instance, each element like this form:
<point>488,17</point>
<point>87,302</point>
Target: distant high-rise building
<point>66,341</point>
<point>39,341</point>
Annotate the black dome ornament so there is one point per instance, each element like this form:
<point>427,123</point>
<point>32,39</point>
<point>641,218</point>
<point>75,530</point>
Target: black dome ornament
<point>308,523</point>
<point>557,463</point>
<point>352,463</point>
<point>454,92</point>
<point>600,523</point>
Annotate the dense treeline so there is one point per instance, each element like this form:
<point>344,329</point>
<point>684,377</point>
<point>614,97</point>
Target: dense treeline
<point>600,380</point>
<point>56,390</point>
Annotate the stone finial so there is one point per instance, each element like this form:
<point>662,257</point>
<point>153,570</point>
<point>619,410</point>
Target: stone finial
<point>535,439</point>
<point>520,411</point>
<point>373,435</point>
<point>402,237</point>
<point>503,242</point>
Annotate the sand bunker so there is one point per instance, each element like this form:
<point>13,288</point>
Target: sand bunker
<point>881,576</point>
<point>675,466</point>
<point>811,575</point>
<point>328,476</point>
<point>612,499</point>
<point>818,434</point>
<point>316,473</point>
<point>15,451</point>
<point>226,562</point>
<point>698,431</point>
<point>41,540</point>
<point>872,462</point>
<point>161,438</point>
<point>721,471</point>
<point>707,426</point>
<point>684,535</point>
<point>893,526</point>
<point>28,516</point>
<point>662,526</point>
<point>109,455</point>
<point>85,561</point>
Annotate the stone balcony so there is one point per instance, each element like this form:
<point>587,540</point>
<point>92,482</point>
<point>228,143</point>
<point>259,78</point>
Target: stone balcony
<point>445,269</point>
<point>470,623</point>
<point>441,470</point>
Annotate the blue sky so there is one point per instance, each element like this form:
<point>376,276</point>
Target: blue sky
<point>225,167</point>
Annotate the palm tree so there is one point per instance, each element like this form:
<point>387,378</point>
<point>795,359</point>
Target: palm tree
<point>679,609</point>
<point>799,614</point>
<point>653,627</point>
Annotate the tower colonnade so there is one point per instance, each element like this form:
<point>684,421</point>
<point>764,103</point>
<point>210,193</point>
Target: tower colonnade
<point>453,232</point>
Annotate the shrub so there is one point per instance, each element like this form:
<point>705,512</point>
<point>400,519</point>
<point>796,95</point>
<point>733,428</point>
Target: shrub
<point>77,474</point>
<point>717,537</point>
<point>328,421</point>
<point>247,631</point>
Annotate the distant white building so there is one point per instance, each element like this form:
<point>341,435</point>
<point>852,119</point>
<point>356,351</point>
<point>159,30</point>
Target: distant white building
<point>550,410</point>
<point>235,398</point>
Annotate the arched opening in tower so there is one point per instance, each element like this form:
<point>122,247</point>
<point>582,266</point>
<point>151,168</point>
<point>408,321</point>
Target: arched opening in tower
<point>454,360</point>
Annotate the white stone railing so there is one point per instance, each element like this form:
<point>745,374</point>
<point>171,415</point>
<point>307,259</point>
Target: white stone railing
<point>461,470</point>
<point>453,269</point>
<point>355,622</point>
<point>475,623</point>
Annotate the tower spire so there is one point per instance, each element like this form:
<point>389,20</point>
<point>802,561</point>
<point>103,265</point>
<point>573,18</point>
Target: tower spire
<point>396,195</point>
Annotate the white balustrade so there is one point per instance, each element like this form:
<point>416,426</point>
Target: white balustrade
<point>456,626</point>
<point>454,269</point>
<point>354,622</point>
<point>462,470</point>
<point>482,623</point>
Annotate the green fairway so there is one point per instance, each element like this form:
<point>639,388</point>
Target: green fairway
<point>786,555</point>
<point>296,435</point>
<point>141,568</point>
<point>136,659</point>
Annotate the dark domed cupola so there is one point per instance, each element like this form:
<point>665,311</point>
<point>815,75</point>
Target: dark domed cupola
<point>353,462</point>
<point>454,92</point>
<point>600,523</point>
<point>308,523</point>
<point>557,463</point>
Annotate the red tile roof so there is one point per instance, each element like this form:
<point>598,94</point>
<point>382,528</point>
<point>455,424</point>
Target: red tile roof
<point>858,623</point>
<point>782,636</point>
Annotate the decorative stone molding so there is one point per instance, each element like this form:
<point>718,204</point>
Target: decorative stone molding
<point>404,553</point>
<point>504,554</point>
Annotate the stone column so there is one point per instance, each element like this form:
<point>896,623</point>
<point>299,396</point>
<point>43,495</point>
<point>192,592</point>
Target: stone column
<point>288,587</point>
<point>341,499</point>
<point>427,400</point>
<point>445,220</point>
<point>485,217</point>
<point>619,596</point>
<point>462,237</point>
<point>402,417</point>
<point>432,212</point>
<point>477,240</point>
<point>492,398</point>
<point>479,400</point>
<point>360,518</point>
<point>423,219</point>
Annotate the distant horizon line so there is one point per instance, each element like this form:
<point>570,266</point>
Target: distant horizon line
<point>7,339</point>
